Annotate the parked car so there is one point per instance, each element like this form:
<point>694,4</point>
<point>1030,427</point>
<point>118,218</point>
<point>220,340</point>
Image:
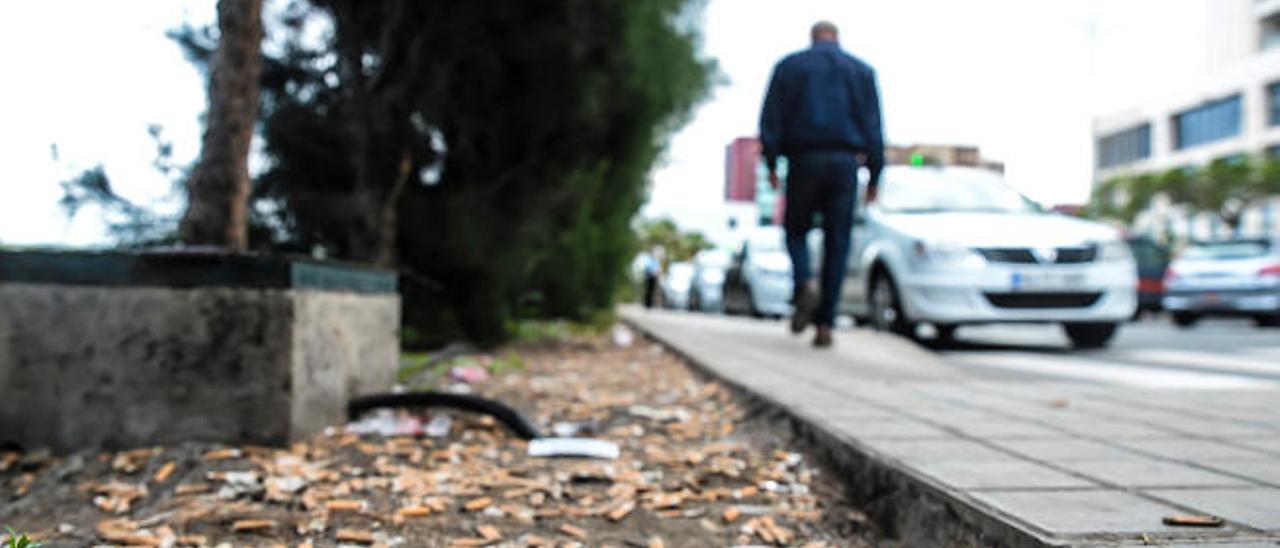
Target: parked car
<point>951,246</point>
<point>1152,259</point>
<point>709,267</point>
<point>1225,278</point>
<point>758,281</point>
<point>675,285</point>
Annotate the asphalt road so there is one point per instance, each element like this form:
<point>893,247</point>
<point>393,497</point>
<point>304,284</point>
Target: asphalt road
<point>1150,354</point>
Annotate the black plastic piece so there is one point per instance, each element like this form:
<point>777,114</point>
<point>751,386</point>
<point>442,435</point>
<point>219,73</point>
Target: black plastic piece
<point>512,419</point>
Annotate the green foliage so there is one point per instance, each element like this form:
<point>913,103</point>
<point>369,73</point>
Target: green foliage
<point>539,331</point>
<point>679,246</point>
<point>421,371</point>
<point>16,540</point>
<point>1225,188</point>
<point>531,134</point>
<point>413,364</point>
<point>509,362</point>
<point>598,324</point>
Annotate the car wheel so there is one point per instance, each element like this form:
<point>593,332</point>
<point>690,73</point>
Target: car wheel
<point>695,303</point>
<point>1269,320</point>
<point>751,304</point>
<point>1185,319</point>
<point>886,308</point>
<point>1090,335</point>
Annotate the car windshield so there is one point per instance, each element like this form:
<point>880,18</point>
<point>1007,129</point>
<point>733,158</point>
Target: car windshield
<point>680,271</point>
<point>925,190</point>
<point>713,259</point>
<point>1227,250</point>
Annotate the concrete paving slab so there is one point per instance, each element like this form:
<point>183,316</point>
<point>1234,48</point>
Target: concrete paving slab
<point>1259,508</point>
<point>898,428</point>
<point>1066,450</point>
<point>1268,445</point>
<point>1142,472</point>
<point>1114,429</point>
<point>1266,471</point>
<point>1010,473</point>
<point>1192,449</point>
<point>1219,428</point>
<point>997,428</point>
<point>936,450</point>
<point>1082,512</point>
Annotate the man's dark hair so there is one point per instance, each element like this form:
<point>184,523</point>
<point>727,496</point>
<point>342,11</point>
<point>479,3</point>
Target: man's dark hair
<point>824,31</point>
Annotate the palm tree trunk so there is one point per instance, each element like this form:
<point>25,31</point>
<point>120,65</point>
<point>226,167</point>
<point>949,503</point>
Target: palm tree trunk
<point>218,190</point>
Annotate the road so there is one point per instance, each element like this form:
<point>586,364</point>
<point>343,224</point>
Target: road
<point>1149,354</point>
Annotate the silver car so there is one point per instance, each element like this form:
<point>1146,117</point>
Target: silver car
<point>759,278</point>
<point>709,268</point>
<point>1226,278</point>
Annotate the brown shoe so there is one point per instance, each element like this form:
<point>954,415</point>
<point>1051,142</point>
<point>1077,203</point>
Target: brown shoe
<point>805,308</point>
<point>822,339</point>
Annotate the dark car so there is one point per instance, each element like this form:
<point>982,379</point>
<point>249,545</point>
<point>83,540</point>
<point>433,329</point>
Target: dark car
<point>1152,260</point>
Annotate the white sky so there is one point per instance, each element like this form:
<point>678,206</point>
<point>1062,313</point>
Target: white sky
<point>1021,79</point>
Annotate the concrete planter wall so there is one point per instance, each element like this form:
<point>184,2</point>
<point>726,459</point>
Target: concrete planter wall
<point>108,350</point>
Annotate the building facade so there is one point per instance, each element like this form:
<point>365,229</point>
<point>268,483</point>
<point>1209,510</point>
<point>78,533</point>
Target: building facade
<point>740,159</point>
<point>1231,110</point>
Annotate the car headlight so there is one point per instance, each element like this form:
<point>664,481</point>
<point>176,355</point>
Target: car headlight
<point>941,252</point>
<point>1114,252</point>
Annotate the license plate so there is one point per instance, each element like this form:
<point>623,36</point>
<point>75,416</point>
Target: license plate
<point>1046,281</point>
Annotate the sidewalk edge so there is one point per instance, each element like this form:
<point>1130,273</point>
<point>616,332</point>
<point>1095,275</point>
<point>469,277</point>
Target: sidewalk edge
<point>912,510</point>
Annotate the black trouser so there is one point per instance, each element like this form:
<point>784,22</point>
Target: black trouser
<point>650,289</point>
<point>821,183</point>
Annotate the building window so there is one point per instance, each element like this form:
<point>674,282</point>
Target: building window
<point>1273,102</point>
<point>1123,147</point>
<point>1270,35</point>
<point>1207,123</point>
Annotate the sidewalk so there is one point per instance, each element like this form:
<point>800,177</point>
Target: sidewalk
<point>1006,463</point>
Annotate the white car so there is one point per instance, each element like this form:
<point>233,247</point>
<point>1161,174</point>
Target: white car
<point>707,294</point>
<point>952,246</point>
<point>675,285</point>
<point>758,281</point>
<point>1227,278</point>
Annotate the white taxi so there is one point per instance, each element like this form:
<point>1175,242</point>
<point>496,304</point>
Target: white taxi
<point>951,246</point>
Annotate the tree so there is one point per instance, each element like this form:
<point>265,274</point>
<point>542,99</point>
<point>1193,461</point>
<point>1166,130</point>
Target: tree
<point>1225,188</point>
<point>218,189</point>
<point>679,246</point>
<point>495,153</point>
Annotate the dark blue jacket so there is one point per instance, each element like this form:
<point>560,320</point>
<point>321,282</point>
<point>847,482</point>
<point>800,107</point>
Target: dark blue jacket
<point>822,99</point>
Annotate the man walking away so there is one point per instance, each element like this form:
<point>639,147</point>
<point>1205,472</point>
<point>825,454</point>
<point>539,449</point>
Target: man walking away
<point>822,112</point>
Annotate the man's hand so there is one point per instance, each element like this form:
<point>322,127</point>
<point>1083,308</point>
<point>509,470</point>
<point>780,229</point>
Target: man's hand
<point>872,193</point>
<point>773,180</point>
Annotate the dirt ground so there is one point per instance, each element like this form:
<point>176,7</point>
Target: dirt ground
<point>695,469</point>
